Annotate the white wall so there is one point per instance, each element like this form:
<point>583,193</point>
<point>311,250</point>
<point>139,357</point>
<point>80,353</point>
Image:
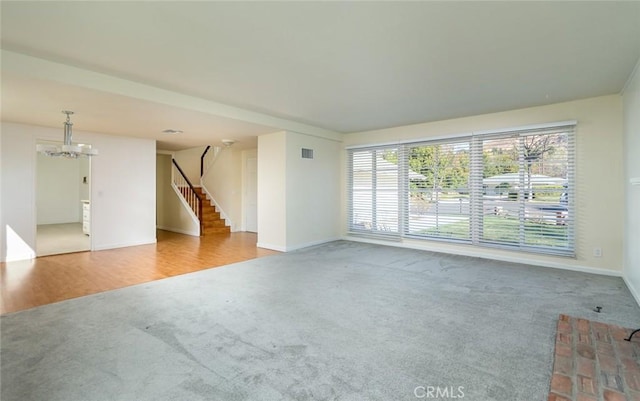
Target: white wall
<point>18,214</point>
<point>223,180</point>
<point>58,185</point>
<point>631,101</point>
<point>189,162</point>
<point>599,175</point>
<point>297,198</point>
<point>313,191</point>
<point>122,191</point>
<point>2,227</point>
<point>272,191</point>
<point>85,187</point>
<point>249,191</point>
<point>171,214</point>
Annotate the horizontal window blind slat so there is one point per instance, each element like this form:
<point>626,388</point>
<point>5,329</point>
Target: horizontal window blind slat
<point>513,189</point>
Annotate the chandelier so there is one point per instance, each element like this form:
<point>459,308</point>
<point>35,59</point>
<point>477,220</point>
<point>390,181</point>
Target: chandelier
<point>67,150</point>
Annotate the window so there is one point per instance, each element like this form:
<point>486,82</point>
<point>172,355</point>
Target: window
<point>438,190</point>
<point>511,189</point>
<point>374,183</point>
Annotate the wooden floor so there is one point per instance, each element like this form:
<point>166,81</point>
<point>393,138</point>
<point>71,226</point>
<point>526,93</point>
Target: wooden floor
<point>48,279</point>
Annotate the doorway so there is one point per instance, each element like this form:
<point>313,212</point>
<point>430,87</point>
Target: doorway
<point>63,204</point>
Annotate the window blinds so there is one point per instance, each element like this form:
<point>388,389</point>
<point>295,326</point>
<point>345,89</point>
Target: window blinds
<point>513,189</point>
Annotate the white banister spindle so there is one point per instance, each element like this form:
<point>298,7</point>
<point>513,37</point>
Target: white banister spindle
<point>183,187</point>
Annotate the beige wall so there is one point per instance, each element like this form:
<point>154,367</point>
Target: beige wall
<point>171,214</point>
<point>223,180</point>
<point>272,187</point>
<point>599,176</point>
<point>631,99</point>
<point>313,191</point>
<point>123,205</point>
<point>189,162</point>
<point>249,192</point>
<point>58,185</point>
<point>298,199</point>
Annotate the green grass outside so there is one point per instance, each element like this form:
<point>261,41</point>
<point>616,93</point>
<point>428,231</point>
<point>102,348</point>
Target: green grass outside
<point>504,229</point>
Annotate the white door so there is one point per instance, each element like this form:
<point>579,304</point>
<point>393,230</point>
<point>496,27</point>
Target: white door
<point>251,195</point>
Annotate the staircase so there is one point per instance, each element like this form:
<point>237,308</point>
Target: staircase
<point>212,223</point>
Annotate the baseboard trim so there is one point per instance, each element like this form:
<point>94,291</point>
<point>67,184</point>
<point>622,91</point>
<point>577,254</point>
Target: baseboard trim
<point>272,247</point>
<point>502,258</point>
<point>123,245</point>
<point>296,247</point>
<point>19,257</point>
<point>227,221</point>
<point>632,289</point>
<point>179,231</point>
<point>312,243</point>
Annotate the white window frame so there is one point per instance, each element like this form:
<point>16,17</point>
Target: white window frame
<point>475,188</point>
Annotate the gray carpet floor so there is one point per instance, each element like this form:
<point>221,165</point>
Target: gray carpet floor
<point>341,321</point>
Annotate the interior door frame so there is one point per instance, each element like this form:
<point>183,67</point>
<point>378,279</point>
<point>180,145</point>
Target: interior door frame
<point>35,197</point>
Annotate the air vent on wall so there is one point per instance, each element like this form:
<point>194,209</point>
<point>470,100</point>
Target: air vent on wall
<point>307,153</point>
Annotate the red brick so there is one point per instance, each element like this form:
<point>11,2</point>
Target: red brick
<point>633,395</point>
<point>627,349</point>
<point>599,326</point>
<point>613,396</point>
<point>601,365</point>
<point>612,381</point>
<point>602,336</point>
<point>583,325</point>
<point>585,367</point>
<point>604,348</point>
<point>585,351</point>
<point>563,338</point>
<point>557,397</point>
<point>633,380</point>
<point>564,327</point>
<point>608,363</point>
<point>563,365</point>
<point>619,333</point>
<point>564,318</point>
<point>586,385</point>
<point>584,338</point>
<point>630,365</point>
<point>563,350</point>
<point>561,384</point>
<point>636,337</point>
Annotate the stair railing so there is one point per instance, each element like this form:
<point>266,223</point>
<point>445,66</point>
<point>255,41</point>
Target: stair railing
<point>202,160</point>
<point>188,192</point>
<point>208,158</point>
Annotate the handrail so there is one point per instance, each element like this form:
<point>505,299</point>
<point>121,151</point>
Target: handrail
<point>193,194</point>
<point>202,160</point>
<point>175,163</point>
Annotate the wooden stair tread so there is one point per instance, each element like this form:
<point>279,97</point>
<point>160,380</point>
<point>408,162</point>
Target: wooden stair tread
<point>212,222</point>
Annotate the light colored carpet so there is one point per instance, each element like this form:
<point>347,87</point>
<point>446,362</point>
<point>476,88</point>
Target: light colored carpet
<point>342,321</point>
<point>53,239</point>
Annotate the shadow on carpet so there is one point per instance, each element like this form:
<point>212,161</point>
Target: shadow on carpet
<point>594,362</point>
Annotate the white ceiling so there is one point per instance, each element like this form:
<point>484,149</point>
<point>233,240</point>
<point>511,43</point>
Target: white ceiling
<point>339,66</point>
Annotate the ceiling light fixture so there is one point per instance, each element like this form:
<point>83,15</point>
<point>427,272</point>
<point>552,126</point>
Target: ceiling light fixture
<point>228,142</point>
<point>172,131</point>
<point>68,149</point>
